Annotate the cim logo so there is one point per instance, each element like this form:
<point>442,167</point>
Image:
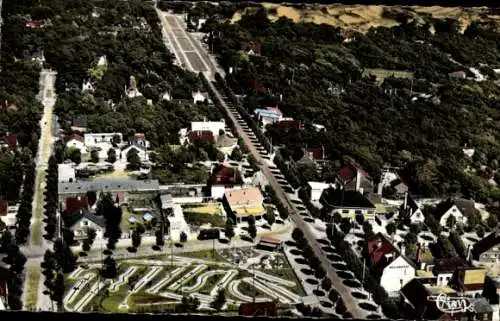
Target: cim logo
<point>450,304</point>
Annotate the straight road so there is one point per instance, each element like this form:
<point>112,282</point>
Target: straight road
<point>33,285</point>
<point>187,48</point>
<point>249,139</point>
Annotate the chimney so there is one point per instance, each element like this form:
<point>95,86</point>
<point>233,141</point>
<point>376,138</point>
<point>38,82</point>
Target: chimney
<point>403,250</point>
<point>380,188</point>
<point>405,204</point>
<point>358,178</point>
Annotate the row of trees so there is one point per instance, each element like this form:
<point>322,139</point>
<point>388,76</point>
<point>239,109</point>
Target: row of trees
<point>55,265</point>
<point>356,266</point>
<point>314,262</point>
<point>112,214</point>
<point>25,209</point>
<point>16,261</point>
<point>51,199</point>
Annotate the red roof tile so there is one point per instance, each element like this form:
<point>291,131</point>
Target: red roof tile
<point>251,46</point>
<point>257,85</point>
<point>3,207</point>
<point>290,123</point>
<point>203,135</point>
<point>258,309</point>
<point>73,204</point>
<point>349,172</point>
<point>225,175</point>
<point>316,153</point>
<point>75,137</point>
<point>377,252</point>
<point>11,140</point>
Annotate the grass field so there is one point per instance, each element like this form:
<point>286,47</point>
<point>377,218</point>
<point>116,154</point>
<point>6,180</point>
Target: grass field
<point>204,214</point>
<point>208,209</point>
<point>381,74</point>
<point>36,230</point>
<point>32,285</point>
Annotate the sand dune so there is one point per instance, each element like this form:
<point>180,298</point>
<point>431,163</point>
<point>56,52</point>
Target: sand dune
<point>362,17</point>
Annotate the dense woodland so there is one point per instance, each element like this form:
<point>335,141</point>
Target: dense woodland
<point>320,77</point>
<point>75,35</point>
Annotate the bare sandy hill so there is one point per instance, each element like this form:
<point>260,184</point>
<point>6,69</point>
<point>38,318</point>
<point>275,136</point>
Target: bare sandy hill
<point>363,17</point>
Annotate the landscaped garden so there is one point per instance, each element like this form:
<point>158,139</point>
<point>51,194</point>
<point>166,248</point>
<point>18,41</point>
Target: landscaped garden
<point>160,284</point>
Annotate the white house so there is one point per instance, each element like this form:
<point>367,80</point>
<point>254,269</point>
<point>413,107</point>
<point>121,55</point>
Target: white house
<point>10,218</point>
<point>411,209</point>
<point>317,189</point>
<point>460,209</point>
<point>348,204</point>
<point>469,151</point>
<point>213,126</point>
<point>75,141</point>
<point>224,177</point>
<point>178,223</point>
<point>199,97</point>
<point>93,139</point>
<point>166,96</point>
<point>103,61</point>
<point>87,86</point>
<point>83,221</point>
<point>396,274</point>
<point>66,173</point>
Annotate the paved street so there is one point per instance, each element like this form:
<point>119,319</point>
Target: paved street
<point>37,244</point>
<point>171,23</point>
<point>187,48</point>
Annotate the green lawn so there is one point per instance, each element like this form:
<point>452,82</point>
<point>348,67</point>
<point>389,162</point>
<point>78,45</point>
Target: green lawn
<point>250,290</point>
<point>36,233</point>
<point>203,255</point>
<point>287,274</point>
<point>36,230</point>
<point>33,277</point>
<point>197,218</point>
<point>211,282</point>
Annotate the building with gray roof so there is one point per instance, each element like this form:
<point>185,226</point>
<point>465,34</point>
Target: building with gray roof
<point>121,190</point>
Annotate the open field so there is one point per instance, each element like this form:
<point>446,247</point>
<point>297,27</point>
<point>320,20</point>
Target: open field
<point>204,214</point>
<point>381,74</point>
<point>154,285</point>
<point>209,209</point>
<point>362,17</point>
<point>33,277</point>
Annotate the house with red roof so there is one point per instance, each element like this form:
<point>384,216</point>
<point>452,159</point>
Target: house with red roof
<point>75,141</point>
<point>201,135</point>
<point>257,86</point>
<point>224,177</point>
<point>10,141</point>
<point>397,269</point>
<point>353,178</point>
<point>8,106</point>
<point>290,123</point>
<point>75,203</point>
<point>251,48</point>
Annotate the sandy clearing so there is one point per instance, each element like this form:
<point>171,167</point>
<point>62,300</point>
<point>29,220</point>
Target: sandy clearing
<point>362,18</point>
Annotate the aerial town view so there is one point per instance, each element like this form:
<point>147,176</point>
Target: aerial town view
<point>250,159</point>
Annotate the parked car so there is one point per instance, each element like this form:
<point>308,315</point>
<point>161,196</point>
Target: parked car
<point>209,234</point>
